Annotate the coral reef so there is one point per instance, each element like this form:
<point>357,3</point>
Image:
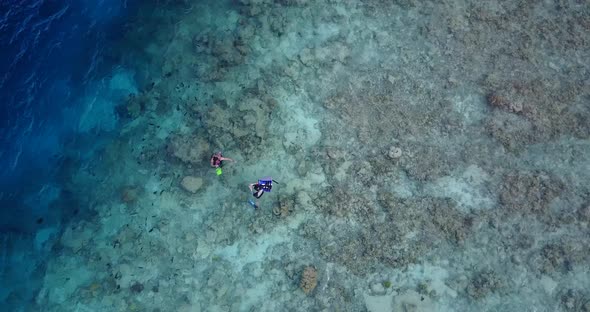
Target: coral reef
<point>557,257</point>
<point>575,300</point>
<point>529,192</point>
<point>342,201</point>
<point>450,222</point>
<point>483,283</point>
<point>188,149</point>
<point>309,279</point>
<point>284,208</point>
<point>245,131</point>
<point>376,114</point>
<point>501,102</point>
<point>550,108</point>
<point>394,152</point>
<point>584,212</point>
<point>512,131</point>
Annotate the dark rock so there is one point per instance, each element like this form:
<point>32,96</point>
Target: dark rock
<point>482,283</point>
<point>136,288</point>
<point>584,212</point>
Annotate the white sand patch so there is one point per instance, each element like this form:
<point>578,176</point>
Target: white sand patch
<point>168,202</point>
<point>325,31</point>
<point>579,278</point>
<point>290,46</point>
<point>60,284</point>
<point>468,189</point>
<point>471,107</point>
<point>403,191</point>
<point>340,174</point>
<point>379,303</point>
<point>255,295</point>
<point>249,250</point>
<point>434,276</point>
<point>368,54</point>
<point>548,284</point>
<point>153,184</point>
<point>171,124</point>
<point>413,299</point>
<point>404,188</point>
<point>297,125</point>
<point>123,81</point>
<point>112,219</point>
<point>299,38</point>
<point>310,182</point>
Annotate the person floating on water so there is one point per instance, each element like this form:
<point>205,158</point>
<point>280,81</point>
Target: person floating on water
<point>217,162</point>
<point>259,188</point>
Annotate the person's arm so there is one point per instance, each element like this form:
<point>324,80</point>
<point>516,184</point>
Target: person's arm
<point>251,186</point>
<point>225,158</point>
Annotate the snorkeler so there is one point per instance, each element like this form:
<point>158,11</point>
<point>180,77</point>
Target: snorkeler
<point>259,188</point>
<point>217,160</point>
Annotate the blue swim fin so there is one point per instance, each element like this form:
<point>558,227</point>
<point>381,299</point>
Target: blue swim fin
<point>252,203</point>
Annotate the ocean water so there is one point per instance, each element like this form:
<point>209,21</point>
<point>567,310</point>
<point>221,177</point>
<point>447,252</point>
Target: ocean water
<point>426,156</point>
<point>58,86</point>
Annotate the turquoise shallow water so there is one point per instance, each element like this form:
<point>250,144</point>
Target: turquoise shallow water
<point>426,157</point>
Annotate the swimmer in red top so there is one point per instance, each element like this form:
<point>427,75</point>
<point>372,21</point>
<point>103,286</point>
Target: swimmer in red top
<point>217,160</point>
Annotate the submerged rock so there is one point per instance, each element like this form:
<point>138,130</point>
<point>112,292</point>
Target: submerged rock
<point>136,288</point>
<point>129,194</point>
<point>191,184</point>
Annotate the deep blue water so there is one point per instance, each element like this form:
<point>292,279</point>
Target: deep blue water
<point>52,54</point>
<point>54,60</point>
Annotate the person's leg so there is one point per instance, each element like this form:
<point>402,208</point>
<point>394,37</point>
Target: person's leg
<point>258,194</point>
